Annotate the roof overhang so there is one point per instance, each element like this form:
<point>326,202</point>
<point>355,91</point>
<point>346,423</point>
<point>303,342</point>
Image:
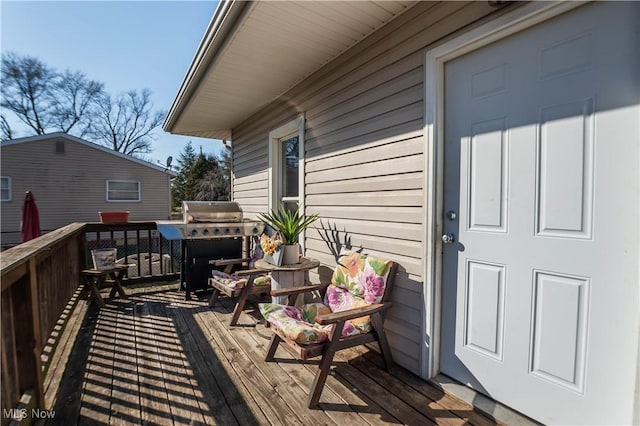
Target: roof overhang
<point>254,52</point>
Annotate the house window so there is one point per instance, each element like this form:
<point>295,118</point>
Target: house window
<point>290,168</point>
<point>5,188</point>
<point>286,160</point>
<point>123,190</point>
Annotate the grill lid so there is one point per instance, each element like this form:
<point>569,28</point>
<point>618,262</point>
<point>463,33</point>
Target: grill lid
<point>211,211</point>
<point>209,219</point>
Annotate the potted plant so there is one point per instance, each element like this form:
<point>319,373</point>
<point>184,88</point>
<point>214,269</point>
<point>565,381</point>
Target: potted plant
<point>289,225</point>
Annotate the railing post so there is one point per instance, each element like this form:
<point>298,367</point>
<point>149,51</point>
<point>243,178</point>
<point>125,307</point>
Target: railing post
<point>37,334</point>
<point>29,367</point>
<point>82,251</point>
<point>11,380</point>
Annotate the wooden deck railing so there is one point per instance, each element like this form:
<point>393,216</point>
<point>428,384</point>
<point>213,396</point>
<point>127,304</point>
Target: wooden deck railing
<point>140,245</point>
<point>39,278</point>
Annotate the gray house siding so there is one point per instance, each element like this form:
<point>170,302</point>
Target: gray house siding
<point>364,145</point>
<point>71,186</point>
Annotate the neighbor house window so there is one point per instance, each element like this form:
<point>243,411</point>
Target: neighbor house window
<point>123,190</point>
<point>5,188</point>
<point>286,161</point>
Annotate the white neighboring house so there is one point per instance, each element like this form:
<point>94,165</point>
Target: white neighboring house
<point>509,128</point>
<point>73,179</point>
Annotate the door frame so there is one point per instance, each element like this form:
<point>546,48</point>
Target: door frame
<point>501,27</point>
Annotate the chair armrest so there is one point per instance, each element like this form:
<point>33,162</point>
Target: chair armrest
<point>361,311</point>
<point>242,272</point>
<point>298,290</point>
<point>224,262</point>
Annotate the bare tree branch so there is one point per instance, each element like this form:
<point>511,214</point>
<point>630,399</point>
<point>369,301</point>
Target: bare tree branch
<point>46,100</point>
<point>74,99</point>
<point>125,123</point>
<point>25,90</point>
<point>5,129</point>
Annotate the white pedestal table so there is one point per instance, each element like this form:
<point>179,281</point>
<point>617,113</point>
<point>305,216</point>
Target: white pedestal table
<point>286,276</point>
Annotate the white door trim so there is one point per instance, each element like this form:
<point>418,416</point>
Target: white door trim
<point>510,23</point>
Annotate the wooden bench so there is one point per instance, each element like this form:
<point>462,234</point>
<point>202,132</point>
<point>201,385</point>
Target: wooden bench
<point>94,279</point>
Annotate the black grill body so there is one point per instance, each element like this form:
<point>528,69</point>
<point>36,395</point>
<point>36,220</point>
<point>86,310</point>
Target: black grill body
<point>197,254</point>
<point>209,231</point>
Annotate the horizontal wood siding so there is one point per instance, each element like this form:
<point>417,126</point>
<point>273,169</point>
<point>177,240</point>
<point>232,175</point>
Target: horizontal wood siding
<point>71,187</point>
<point>364,148</point>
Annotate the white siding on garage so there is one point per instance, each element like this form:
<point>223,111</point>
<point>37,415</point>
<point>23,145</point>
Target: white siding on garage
<point>364,155</point>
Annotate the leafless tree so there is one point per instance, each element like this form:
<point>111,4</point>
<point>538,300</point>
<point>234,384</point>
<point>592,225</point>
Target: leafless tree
<point>126,123</point>
<point>46,100</point>
<point>25,90</point>
<point>5,129</point>
<point>74,99</point>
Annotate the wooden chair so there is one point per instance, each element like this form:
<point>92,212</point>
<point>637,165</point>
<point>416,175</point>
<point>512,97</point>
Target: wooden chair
<point>351,314</point>
<point>241,284</point>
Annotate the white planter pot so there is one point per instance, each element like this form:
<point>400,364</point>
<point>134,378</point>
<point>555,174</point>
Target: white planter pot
<point>291,254</point>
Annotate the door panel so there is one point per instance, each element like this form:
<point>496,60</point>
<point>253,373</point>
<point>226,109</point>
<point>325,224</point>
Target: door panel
<point>487,176</point>
<point>564,156</point>
<point>541,286</point>
<point>559,329</point>
<point>484,309</point>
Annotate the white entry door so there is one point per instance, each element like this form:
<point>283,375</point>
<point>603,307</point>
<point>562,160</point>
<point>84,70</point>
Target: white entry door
<point>540,276</point>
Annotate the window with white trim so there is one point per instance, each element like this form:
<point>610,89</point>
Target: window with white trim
<point>286,161</point>
<point>123,190</point>
<point>289,171</point>
<point>5,188</point>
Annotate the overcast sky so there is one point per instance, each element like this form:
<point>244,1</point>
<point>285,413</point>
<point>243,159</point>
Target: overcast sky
<point>123,44</point>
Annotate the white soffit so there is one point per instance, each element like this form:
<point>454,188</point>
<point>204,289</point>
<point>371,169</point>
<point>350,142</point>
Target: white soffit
<point>273,46</point>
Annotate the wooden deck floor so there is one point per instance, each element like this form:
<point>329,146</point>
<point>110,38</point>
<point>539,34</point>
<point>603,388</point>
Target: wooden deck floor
<point>155,358</point>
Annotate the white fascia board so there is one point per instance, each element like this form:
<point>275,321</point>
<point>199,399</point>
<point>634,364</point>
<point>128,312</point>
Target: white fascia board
<point>215,37</point>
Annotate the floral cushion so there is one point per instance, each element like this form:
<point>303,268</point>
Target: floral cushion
<point>339,299</point>
<point>297,323</point>
<point>363,276</point>
<point>262,280</point>
<point>358,280</point>
<point>235,282</point>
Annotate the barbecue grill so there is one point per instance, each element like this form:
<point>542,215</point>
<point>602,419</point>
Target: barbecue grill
<point>209,230</point>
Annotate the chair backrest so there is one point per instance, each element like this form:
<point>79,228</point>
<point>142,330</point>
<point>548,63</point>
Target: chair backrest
<point>256,253</point>
<point>359,280</point>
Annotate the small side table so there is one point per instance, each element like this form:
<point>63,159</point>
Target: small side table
<point>94,279</point>
<point>286,276</point>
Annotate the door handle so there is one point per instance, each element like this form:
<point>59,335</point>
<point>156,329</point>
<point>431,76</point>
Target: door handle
<point>448,239</point>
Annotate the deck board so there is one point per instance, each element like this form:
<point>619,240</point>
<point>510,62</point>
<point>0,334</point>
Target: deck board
<point>97,384</point>
<point>176,370</point>
<point>238,397</point>
<point>157,359</point>
<point>153,394</point>
<point>125,398</point>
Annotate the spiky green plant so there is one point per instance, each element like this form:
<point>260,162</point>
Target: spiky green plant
<point>289,224</point>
